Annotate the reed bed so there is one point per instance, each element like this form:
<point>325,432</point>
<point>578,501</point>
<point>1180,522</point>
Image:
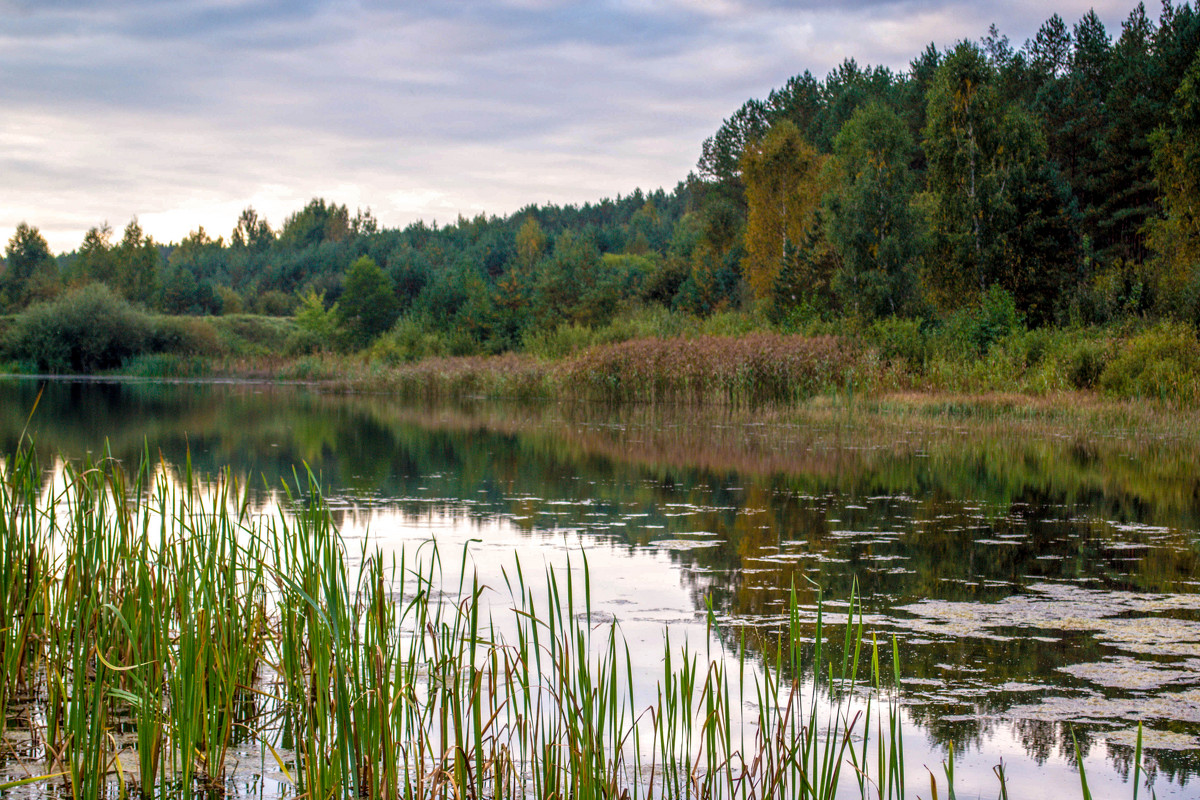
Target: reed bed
<point>754,369</point>
<point>153,621</point>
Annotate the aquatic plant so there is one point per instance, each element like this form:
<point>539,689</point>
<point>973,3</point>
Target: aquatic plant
<point>157,612</point>
<point>753,369</point>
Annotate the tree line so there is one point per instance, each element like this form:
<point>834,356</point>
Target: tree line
<point>1061,178</point>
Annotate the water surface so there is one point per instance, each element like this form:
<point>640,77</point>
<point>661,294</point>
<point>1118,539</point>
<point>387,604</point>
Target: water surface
<point>1039,582</point>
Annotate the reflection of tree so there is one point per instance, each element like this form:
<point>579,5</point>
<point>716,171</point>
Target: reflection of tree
<point>962,518</point>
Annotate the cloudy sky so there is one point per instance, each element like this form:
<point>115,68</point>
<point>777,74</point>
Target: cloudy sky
<point>183,112</point>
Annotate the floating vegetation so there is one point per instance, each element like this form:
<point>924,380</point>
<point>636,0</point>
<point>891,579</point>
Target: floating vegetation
<point>1130,674</point>
<point>1153,739</point>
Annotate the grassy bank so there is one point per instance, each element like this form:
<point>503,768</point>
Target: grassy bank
<point>1160,364</point>
<point>649,356</point>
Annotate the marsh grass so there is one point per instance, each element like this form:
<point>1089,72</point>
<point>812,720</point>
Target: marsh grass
<point>149,611</point>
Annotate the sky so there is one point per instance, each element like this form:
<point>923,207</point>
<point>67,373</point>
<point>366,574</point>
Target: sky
<point>184,112</point>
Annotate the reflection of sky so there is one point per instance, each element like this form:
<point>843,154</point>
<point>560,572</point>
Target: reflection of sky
<point>645,590</point>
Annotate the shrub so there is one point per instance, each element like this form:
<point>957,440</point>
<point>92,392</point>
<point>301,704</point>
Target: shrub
<point>410,339</point>
<point>1086,361</point>
<point>900,340</point>
<point>274,303</point>
<point>996,318</point>
<point>86,330</point>
<point>1162,362</point>
<point>190,336</point>
<point>562,340</point>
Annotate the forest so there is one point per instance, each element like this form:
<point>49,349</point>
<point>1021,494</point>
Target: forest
<point>1053,185</point>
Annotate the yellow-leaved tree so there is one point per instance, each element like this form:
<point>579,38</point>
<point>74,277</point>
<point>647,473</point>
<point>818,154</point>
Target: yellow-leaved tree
<point>785,181</point>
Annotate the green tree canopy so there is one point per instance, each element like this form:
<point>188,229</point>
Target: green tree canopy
<point>367,306</point>
<point>97,261</point>
<point>1176,237</point>
<point>998,213</point>
<point>30,271</point>
<point>137,265</point>
<point>871,221</point>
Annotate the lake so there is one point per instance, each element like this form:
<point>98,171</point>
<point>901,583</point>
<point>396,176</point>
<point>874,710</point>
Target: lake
<point>1040,581</point>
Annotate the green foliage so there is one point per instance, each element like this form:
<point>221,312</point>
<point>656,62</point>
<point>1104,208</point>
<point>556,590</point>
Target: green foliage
<point>996,318</point>
<point>1086,363</point>
<point>412,338</point>
<point>250,334</point>
<point>86,330</point>
<point>184,337</point>
<point>318,325</point>
<point>576,285</point>
<point>900,339</point>
<point>317,222</point>
<point>30,271</point>
<point>97,260</point>
<point>1176,236</point>
<point>563,340</point>
<point>1162,363</point>
<point>274,303</point>
<point>711,282</point>
<point>136,275</point>
<point>367,306</point>
<point>870,220</point>
<point>998,213</point>
<point>972,332</point>
<point>252,232</point>
<point>1119,291</point>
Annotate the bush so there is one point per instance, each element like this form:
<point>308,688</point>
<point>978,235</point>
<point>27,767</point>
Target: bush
<point>1163,363</point>
<point>274,303</point>
<point>900,340</point>
<point>410,339</point>
<point>996,318</point>
<point>1086,362</point>
<point>190,336</point>
<point>86,330</point>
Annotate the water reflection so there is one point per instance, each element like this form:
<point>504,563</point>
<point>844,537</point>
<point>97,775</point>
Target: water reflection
<point>1037,584</point>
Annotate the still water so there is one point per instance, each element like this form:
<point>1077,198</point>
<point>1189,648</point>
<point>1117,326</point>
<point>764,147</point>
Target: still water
<point>1039,581</point>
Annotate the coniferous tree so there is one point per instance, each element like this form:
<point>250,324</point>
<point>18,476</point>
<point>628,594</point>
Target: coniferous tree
<point>871,222</point>
<point>1000,215</point>
<point>367,306</point>
<point>97,260</point>
<point>137,266</point>
<point>30,271</point>
<point>1176,236</point>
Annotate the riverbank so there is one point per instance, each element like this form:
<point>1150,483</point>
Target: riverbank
<point>728,360</point>
<point>1036,369</point>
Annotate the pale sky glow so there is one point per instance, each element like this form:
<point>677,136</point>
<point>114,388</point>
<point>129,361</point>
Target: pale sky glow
<point>185,112</point>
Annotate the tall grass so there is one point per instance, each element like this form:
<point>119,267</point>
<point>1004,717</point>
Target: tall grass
<point>753,369</point>
<point>151,611</point>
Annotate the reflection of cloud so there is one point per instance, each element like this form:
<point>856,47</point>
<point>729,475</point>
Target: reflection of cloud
<point>185,112</point>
